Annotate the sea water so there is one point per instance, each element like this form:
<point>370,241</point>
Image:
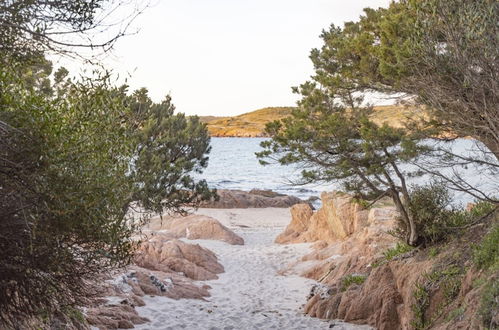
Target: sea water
<point>234,165</point>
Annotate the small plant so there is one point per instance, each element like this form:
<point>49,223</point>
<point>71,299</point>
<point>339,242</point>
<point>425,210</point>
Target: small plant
<point>490,304</point>
<point>74,314</point>
<point>455,313</point>
<point>448,280</point>
<point>481,209</point>
<point>486,255</point>
<point>399,249</point>
<point>433,252</point>
<point>422,302</point>
<point>352,279</point>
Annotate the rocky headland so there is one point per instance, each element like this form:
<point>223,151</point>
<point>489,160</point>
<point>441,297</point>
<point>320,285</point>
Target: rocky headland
<point>252,124</point>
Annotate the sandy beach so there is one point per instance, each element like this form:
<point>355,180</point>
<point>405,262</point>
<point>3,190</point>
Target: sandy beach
<point>249,294</point>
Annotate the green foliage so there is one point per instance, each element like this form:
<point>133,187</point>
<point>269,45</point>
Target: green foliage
<point>422,302</point>
<point>486,255</point>
<point>455,313</point>
<point>30,28</point>
<point>400,49</point>
<point>429,207</point>
<point>489,304</point>
<point>168,148</point>
<point>448,280</point>
<point>348,280</point>
<point>400,248</point>
<point>435,218</point>
<point>433,252</point>
<point>73,162</point>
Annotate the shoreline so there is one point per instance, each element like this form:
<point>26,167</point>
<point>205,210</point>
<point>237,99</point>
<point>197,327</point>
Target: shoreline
<point>250,294</point>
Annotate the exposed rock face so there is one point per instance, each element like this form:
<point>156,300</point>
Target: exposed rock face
<point>299,229</point>
<point>384,297</point>
<point>338,218</point>
<point>348,239</point>
<point>122,316</point>
<point>230,199</point>
<point>162,253</point>
<point>195,227</point>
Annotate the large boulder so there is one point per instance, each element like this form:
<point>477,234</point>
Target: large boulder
<point>307,226</point>
<point>163,254</point>
<point>231,199</point>
<point>338,218</point>
<point>194,227</point>
<point>342,215</point>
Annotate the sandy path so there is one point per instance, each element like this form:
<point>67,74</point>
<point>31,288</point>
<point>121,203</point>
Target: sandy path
<point>249,295</point>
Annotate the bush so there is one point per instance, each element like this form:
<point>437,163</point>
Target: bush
<point>489,304</point>
<point>486,255</point>
<point>67,185</point>
<point>435,217</point>
<point>430,208</point>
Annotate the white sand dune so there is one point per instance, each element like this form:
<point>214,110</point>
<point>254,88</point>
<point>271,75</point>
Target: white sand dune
<point>250,294</point>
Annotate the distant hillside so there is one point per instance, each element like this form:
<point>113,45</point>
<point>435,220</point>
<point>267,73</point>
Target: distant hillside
<point>249,124</point>
<point>252,124</point>
<point>207,119</point>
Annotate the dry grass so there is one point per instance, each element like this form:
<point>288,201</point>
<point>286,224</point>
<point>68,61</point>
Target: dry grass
<point>252,124</point>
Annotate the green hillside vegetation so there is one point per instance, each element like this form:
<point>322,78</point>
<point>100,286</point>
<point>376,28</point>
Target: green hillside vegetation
<point>252,124</point>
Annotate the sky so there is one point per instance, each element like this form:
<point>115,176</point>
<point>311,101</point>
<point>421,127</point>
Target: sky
<point>226,57</point>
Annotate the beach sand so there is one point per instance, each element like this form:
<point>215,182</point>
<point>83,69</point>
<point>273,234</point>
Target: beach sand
<point>250,294</point>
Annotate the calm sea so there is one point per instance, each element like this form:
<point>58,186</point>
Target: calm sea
<point>233,165</point>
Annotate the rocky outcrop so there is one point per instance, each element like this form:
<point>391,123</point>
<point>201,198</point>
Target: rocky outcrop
<point>163,266</point>
<point>358,285</point>
<point>338,218</point>
<point>230,199</point>
<point>120,316</point>
<point>348,239</point>
<point>194,227</point>
<point>119,297</point>
<point>163,254</point>
<point>298,229</point>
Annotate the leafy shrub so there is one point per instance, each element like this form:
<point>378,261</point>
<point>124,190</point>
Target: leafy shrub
<point>434,216</point>
<point>486,255</point>
<point>429,206</point>
<point>68,182</point>
<point>489,304</point>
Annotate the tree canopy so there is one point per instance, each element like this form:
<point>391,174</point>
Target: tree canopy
<point>83,163</point>
<point>441,55</point>
<point>29,28</point>
<point>76,157</point>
